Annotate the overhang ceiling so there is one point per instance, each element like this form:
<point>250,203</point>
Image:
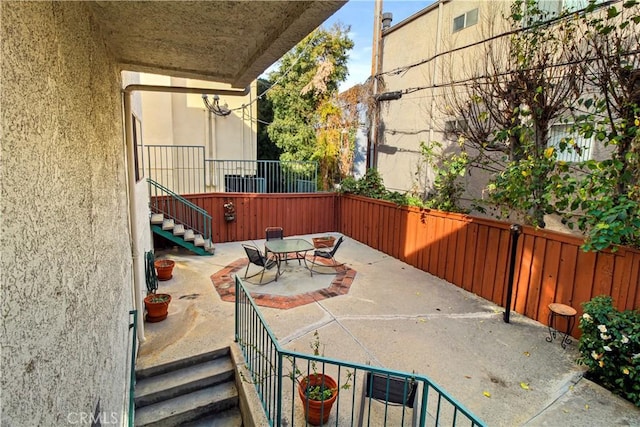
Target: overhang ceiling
<point>225,41</point>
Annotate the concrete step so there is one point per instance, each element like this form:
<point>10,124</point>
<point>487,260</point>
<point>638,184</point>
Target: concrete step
<point>182,381</point>
<point>181,363</point>
<point>168,224</point>
<point>189,236</point>
<point>229,418</point>
<point>198,240</point>
<point>157,218</point>
<point>188,407</point>
<point>178,230</point>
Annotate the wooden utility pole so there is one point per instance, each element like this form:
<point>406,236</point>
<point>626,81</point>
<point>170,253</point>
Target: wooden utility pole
<point>376,59</point>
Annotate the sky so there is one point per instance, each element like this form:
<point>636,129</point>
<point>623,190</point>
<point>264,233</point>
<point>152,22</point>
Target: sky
<point>359,15</point>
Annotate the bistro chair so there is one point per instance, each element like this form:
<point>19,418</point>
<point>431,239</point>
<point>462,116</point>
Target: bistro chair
<point>330,255</point>
<point>256,258</point>
<point>390,391</point>
<point>273,233</point>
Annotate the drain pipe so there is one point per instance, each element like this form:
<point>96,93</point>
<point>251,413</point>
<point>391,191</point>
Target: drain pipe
<point>516,229</point>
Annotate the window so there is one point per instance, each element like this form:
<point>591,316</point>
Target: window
<point>549,9</point>
<point>138,157</point>
<point>465,20</point>
<point>578,147</point>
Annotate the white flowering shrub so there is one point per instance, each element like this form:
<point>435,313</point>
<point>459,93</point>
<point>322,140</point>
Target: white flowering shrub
<point>610,347</point>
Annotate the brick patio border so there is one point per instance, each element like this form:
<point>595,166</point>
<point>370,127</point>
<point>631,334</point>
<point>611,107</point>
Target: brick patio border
<point>224,283</point>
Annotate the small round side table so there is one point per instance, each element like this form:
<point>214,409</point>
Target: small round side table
<point>566,312</point>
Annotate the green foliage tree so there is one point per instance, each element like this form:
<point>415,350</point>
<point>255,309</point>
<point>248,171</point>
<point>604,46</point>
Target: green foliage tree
<point>578,68</point>
<point>516,93</point>
<point>602,198</point>
<point>304,98</point>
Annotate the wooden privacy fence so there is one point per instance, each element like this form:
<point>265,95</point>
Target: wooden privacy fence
<point>473,253</point>
<point>297,213</point>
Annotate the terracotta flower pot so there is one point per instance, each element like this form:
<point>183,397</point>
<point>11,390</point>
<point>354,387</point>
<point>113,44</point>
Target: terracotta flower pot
<point>323,242</point>
<point>157,306</point>
<point>317,411</point>
<point>164,268</point>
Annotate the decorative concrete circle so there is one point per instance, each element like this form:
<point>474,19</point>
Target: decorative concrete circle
<point>274,295</point>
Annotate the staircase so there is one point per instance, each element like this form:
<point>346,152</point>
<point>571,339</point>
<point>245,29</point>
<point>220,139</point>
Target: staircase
<point>180,235</point>
<point>198,391</point>
<point>180,221</point>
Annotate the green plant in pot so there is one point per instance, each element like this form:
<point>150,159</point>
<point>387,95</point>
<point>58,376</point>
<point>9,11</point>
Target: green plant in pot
<point>156,304</point>
<point>317,391</point>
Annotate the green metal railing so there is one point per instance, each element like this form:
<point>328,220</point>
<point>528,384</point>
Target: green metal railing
<point>262,176</point>
<point>133,325</point>
<point>179,167</point>
<point>179,209</point>
<point>185,170</point>
<point>275,372</point>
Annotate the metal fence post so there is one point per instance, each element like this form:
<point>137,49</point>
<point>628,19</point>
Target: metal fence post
<point>516,229</point>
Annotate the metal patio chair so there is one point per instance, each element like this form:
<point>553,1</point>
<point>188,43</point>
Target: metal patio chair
<point>256,258</point>
<point>330,255</point>
<point>273,233</point>
<point>389,391</point>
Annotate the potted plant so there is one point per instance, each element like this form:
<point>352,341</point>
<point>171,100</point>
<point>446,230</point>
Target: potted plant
<point>164,268</point>
<point>157,305</point>
<point>318,391</point>
<point>323,241</point>
<point>229,211</point>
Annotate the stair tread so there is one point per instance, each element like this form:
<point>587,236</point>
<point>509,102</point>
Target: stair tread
<point>178,230</point>
<point>189,235</point>
<point>228,418</point>
<point>222,352</point>
<point>157,218</point>
<point>168,224</point>
<point>205,374</point>
<point>199,240</point>
<point>188,407</point>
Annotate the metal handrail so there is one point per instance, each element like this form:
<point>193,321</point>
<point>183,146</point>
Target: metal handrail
<point>179,209</point>
<point>132,378</point>
<point>186,170</point>
<point>266,360</point>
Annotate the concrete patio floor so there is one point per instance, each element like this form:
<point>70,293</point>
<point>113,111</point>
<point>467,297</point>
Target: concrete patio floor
<point>401,318</point>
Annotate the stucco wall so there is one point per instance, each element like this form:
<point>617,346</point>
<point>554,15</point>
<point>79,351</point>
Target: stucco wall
<point>66,262</point>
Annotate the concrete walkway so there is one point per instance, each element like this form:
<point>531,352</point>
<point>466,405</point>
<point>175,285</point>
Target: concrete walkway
<point>401,318</point>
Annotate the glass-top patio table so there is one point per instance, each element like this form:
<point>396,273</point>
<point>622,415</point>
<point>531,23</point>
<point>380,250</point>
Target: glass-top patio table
<point>281,248</point>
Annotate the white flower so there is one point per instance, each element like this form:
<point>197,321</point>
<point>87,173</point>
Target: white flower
<point>586,317</point>
<point>624,339</point>
<point>607,348</point>
<point>605,337</point>
<point>635,356</point>
<point>602,328</point>
<point>595,355</point>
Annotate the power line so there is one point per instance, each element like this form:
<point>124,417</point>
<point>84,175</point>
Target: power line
<point>465,82</point>
<point>405,68</point>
